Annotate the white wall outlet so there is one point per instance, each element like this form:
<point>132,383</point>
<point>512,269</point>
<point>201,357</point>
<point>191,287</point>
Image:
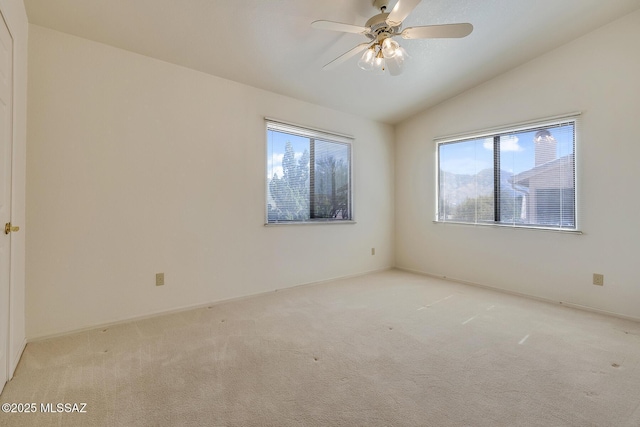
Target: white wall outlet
<point>373,251</point>
<point>159,279</point>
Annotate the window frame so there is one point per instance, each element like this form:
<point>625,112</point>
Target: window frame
<point>554,121</point>
<point>313,134</point>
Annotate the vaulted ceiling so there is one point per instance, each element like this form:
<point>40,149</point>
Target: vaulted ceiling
<point>269,44</point>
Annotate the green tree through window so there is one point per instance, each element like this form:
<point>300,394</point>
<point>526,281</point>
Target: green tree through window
<point>290,192</point>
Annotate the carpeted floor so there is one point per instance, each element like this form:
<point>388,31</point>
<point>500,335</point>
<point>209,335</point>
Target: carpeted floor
<point>385,349</point>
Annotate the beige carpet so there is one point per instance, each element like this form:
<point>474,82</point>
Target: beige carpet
<point>386,349</point>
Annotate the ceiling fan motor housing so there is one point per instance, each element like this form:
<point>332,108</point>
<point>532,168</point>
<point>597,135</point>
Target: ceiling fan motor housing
<point>378,25</point>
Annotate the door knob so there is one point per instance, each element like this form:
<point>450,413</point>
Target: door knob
<point>8,228</point>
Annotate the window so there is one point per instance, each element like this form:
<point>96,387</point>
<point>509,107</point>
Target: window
<point>521,177</point>
<point>308,175</point>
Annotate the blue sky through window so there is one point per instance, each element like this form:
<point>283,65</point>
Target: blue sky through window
<point>278,140</point>
<point>517,152</point>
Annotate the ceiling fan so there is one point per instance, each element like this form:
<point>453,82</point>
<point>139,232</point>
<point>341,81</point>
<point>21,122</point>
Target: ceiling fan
<point>382,52</point>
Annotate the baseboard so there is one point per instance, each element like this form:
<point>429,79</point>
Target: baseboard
<point>523,295</point>
<point>195,306</point>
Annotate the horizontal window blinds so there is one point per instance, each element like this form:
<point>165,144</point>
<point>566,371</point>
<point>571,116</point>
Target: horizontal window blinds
<point>308,175</point>
<point>524,177</point>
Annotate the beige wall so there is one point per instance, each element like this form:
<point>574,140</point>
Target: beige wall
<point>137,166</point>
<point>596,74</point>
<point>16,18</point>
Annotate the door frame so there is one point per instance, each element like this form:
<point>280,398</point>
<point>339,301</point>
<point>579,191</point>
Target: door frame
<point>8,315</point>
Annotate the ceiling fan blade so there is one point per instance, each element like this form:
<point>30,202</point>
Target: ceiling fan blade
<point>338,26</point>
<point>345,56</point>
<point>438,31</point>
<point>400,11</point>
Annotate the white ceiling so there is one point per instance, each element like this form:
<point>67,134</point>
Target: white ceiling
<point>270,44</point>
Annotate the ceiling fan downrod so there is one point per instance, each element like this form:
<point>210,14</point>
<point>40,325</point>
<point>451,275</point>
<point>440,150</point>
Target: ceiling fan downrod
<point>381,4</point>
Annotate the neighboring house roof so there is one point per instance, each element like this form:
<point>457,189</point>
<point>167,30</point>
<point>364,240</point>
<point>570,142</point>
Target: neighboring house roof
<point>523,177</point>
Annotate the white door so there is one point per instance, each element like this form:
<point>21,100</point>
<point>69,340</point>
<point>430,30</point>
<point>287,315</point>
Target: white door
<point>6,86</point>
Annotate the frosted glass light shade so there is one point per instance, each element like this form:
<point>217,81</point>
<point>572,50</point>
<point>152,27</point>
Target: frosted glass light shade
<point>390,48</point>
<point>395,64</point>
<point>366,62</point>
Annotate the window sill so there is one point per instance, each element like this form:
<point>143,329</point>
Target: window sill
<point>513,227</point>
<point>316,222</point>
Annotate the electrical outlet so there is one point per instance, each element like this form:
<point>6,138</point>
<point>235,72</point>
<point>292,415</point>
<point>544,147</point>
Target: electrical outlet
<point>159,279</point>
<point>598,279</point>
<point>373,251</point>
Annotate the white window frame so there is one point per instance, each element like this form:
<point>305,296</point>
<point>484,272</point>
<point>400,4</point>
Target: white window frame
<point>312,133</point>
<point>514,128</point>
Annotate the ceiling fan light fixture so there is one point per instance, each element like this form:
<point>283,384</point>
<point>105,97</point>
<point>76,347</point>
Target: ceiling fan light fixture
<point>379,62</point>
<point>367,60</point>
<point>395,65</point>
<point>390,48</point>
<point>379,57</point>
